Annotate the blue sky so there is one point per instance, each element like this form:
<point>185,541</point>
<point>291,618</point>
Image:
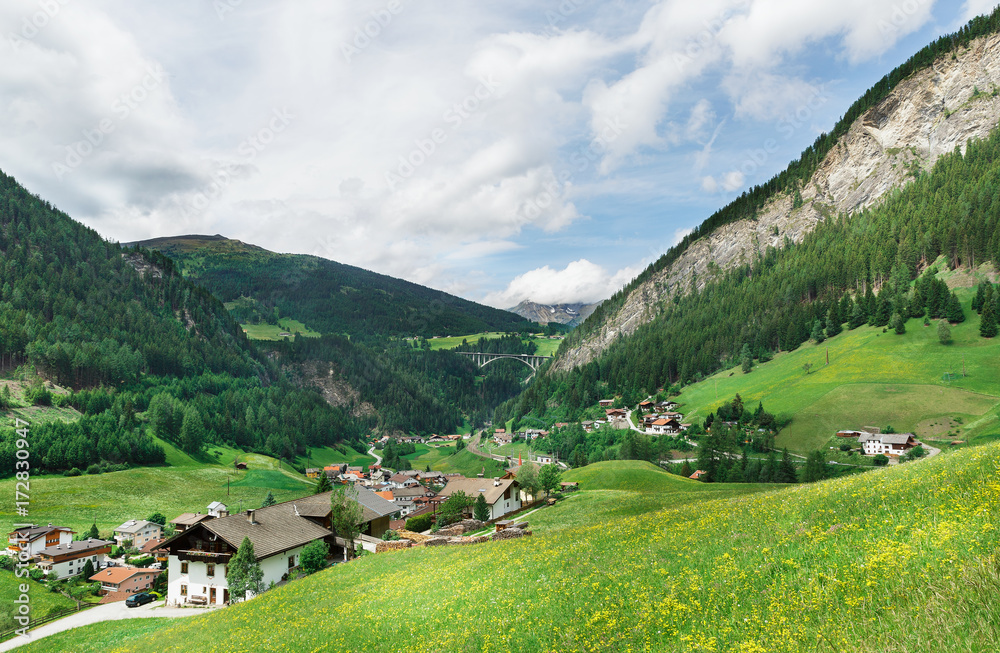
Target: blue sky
<point>497,150</point>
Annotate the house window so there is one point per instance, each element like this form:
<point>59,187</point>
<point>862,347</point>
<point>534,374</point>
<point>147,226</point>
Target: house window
<point>184,567</point>
<point>211,569</point>
<point>291,561</point>
<point>184,590</point>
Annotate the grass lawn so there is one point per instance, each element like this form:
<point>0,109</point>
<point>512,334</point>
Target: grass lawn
<point>101,637</point>
<point>466,463</point>
<point>274,331</point>
<point>323,456</point>
<point>546,347</point>
<point>642,561</point>
<point>873,379</point>
<point>42,601</point>
<point>430,454</point>
<point>185,485</point>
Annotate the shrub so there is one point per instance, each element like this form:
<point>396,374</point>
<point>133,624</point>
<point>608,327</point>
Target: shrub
<point>94,469</point>
<point>880,460</point>
<point>390,536</point>
<point>418,524</point>
<point>72,472</point>
<point>845,447</point>
<point>313,557</point>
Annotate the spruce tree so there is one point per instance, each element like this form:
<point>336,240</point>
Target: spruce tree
<point>988,320</point>
<point>817,334</point>
<point>269,500</point>
<point>977,302</point>
<point>324,484</point>
<point>244,574</point>
<point>833,323</point>
<point>954,309</point>
<point>898,324</point>
<point>943,332</point>
<point>480,510</point>
<point>747,359</point>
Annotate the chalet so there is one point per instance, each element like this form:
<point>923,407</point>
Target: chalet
<point>408,493</point>
<point>697,475</point>
<point>545,459</point>
<point>333,472</point>
<point>664,426</point>
<point>560,425</point>
<point>118,583</point>
<point>666,405</point>
<point>500,431</point>
<point>28,542</point>
<point>606,403</point>
<point>431,476</point>
<point>569,486</point>
<point>402,480</point>
<point>68,559</point>
<point>313,472</point>
<point>238,465</point>
<point>188,519</point>
<point>646,405</point>
<point>501,495</point>
<point>434,439</point>
<point>138,532</point>
<point>851,434</point>
<point>198,556</point>
<point>155,549</point>
<point>218,509</point>
<point>414,439</point>
<point>503,438</point>
<point>588,426</point>
<point>889,444</point>
<point>615,413</point>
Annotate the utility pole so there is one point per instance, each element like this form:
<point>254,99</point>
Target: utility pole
<point>827,355</point>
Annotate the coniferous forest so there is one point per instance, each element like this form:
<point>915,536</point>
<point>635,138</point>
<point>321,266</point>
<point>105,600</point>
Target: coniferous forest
<point>870,268</point>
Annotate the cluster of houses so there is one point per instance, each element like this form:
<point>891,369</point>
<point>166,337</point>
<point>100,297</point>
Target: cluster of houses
<point>886,444</point>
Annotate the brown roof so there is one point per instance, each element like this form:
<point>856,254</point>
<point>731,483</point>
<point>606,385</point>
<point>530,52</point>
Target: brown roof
<point>152,545</point>
<point>473,487</point>
<point>189,519</point>
<point>275,529</point>
<point>33,533</point>
<point>118,575</point>
<point>80,546</point>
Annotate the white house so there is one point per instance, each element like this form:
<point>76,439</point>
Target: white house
<point>199,557</point>
<point>29,542</point>
<point>502,496</point>
<point>888,444</point>
<point>138,531</point>
<point>218,509</point>
<point>68,559</point>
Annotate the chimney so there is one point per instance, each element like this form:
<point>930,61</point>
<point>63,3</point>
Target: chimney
<point>496,481</point>
<point>50,524</point>
<point>250,515</point>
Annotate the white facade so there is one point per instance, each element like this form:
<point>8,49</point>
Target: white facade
<point>146,532</point>
<point>37,546</point>
<point>67,569</point>
<point>196,582</point>
<point>506,505</point>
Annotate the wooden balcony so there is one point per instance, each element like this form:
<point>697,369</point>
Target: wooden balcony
<point>197,555</point>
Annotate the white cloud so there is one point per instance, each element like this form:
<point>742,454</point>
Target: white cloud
<point>973,8</point>
<point>729,182</point>
<point>679,235</point>
<point>579,282</point>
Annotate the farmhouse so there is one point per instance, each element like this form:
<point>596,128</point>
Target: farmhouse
<point>664,426</point>
<point>68,559</point>
<point>138,532</point>
<point>889,444</point>
<point>32,540</point>
<point>606,403</point>
<point>501,494</point>
<point>186,520</point>
<point>313,472</point>
<point>117,583</point>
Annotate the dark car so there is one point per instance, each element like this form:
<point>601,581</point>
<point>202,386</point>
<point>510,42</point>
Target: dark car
<point>142,598</point>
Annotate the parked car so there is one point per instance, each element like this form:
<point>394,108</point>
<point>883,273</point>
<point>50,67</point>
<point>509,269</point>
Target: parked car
<point>142,598</point>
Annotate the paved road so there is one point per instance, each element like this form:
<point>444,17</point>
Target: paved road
<point>107,612</point>
<point>378,458</point>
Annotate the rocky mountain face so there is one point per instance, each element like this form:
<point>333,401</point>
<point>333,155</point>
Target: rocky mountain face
<point>568,314</point>
<point>926,116</point>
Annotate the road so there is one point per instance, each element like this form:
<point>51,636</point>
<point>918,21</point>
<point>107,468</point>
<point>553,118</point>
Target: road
<point>106,612</point>
<point>474,448</point>
<point>378,458</point>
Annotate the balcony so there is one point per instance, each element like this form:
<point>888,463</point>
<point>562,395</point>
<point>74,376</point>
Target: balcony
<point>197,555</point>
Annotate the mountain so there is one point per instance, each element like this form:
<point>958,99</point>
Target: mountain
<point>896,292</point>
<point>939,100</point>
<point>568,314</point>
<point>327,296</point>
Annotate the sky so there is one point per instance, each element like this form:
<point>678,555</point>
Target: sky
<point>497,150</point>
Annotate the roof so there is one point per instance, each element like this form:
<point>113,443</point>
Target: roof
<point>189,518</point>
<point>409,492</point>
<point>216,505</point>
<point>74,547</point>
<point>152,545</point>
<point>118,575</point>
<point>274,529</point>
<point>886,438</point>
<point>399,478</point>
<point>387,495</point>
<point>134,526</point>
<point>473,487</point>
<point>33,533</point>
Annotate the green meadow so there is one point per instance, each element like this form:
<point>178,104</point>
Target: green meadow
<point>323,456</point>
<point>274,331</point>
<point>185,484</point>
<point>42,601</point>
<point>874,378</point>
<point>639,560</point>
<point>546,347</point>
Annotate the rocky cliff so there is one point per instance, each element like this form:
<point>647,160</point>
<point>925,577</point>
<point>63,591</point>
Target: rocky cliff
<point>927,115</point>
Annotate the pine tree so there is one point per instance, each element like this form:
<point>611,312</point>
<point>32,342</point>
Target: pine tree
<point>954,310</point>
<point>988,320</point>
<point>192,431</point>
<point>269,500</point>
<point>898,324</point>
<point>244,574</point>
<point>747,359</point>
<point>786,470</point>
<point>93,533</point>
<point>833,323</point>
<point>817,334</point>
<point>324,484</point>
<point>977,302</point>
<point>480,510</point>
<point>943,332</point>
<point>858,315</point>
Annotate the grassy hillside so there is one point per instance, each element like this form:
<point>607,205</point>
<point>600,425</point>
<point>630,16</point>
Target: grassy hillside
<point>186,485</point>
<point>873,379</point>
<point>330,455</point>
<point>43,602</point>
<point>811,568</point>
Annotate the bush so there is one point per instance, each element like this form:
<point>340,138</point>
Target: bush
<point>390,536</point>
<point>313,557</point>
<point>72,472</point>
<point>142,561</point>
<point>419,524</point>
<point>94,469</point>
<point>845,447</point>
<point>880,460</point>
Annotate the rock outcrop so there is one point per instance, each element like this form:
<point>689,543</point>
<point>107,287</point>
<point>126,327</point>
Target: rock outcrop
<point>926,116</point>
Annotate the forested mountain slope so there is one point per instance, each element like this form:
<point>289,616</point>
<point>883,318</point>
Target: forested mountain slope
<point>327,296</point>
<point>941,98</point>
<point>146,352</point>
